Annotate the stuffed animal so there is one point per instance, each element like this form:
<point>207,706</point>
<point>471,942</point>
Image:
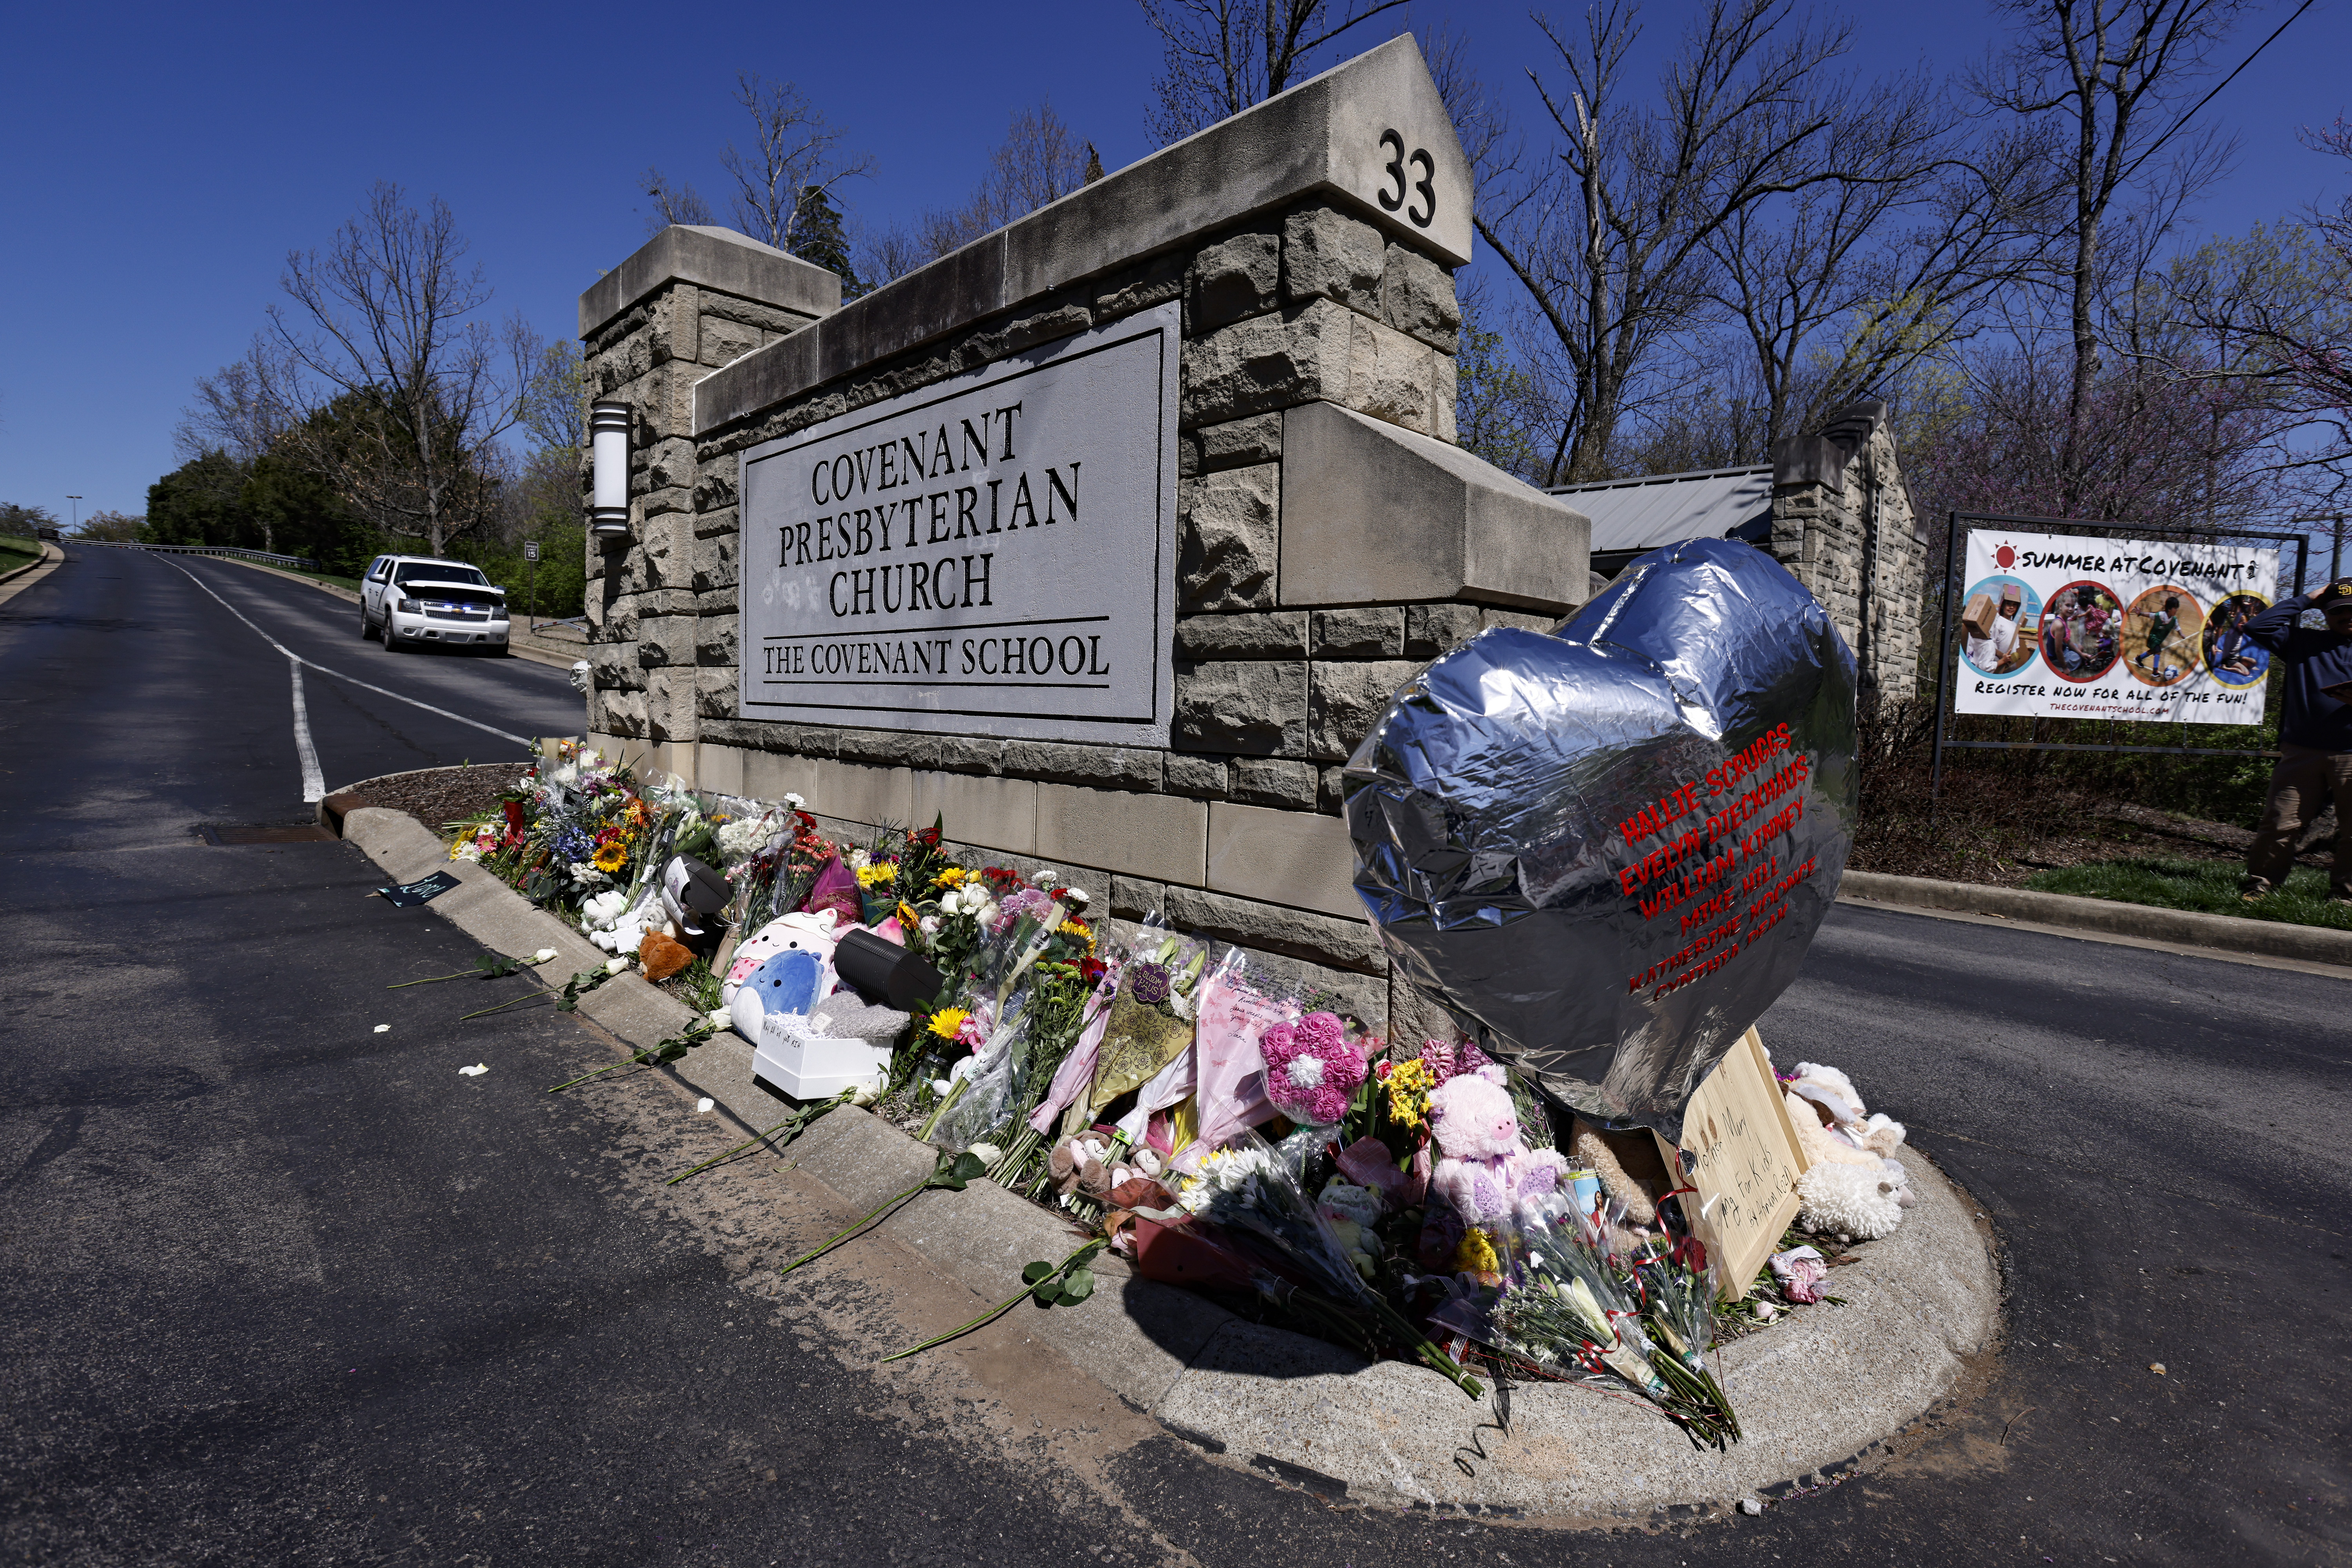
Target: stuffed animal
<point>1849,1200</point>
<point>1852,1186</point>
<point>1483,1172</point>
<point>1593,1154</point>
<point>787,967</point>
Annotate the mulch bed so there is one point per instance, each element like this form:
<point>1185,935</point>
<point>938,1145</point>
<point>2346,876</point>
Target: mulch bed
<point>437,797</point>
<point>1990,831</point>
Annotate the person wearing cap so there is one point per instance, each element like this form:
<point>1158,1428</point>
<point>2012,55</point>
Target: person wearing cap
<point>2314,762</point>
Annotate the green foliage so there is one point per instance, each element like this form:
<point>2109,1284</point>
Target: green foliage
<point>270,503</point>
<point>818,237</point>
<point>23,521</point>
<point>559,591</point>
<point>202,502</point>
<point>1494,398</point>
<point>2208,886</point>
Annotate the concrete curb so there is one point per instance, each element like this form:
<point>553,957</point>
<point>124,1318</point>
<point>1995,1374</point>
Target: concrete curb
<point>1816,1394</point>
<point>521,646</point>
<point>2145,923</point>
<point>31,571</point>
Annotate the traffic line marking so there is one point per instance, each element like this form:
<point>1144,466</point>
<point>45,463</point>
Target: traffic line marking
<point>310,775</point>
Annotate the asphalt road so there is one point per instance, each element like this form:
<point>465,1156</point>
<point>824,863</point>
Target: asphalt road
<point>277,1288</point>
<point>199,705</point>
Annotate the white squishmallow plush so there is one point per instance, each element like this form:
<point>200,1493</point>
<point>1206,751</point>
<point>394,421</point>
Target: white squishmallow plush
<point>786,967</point>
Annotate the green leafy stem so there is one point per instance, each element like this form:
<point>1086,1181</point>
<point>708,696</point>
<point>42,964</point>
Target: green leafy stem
<point>487,965</point>
<point>952,1174</point>
<point>669,1050</point>
<point>567,1000</point>
<point>799,1122</point>
<point>1063,1284</point>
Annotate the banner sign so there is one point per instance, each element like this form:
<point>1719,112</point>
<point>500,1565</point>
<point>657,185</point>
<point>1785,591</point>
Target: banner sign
<point>2075,627</point>
<point>992,555</point>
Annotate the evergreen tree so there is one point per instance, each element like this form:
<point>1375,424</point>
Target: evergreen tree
<point>817,238</point>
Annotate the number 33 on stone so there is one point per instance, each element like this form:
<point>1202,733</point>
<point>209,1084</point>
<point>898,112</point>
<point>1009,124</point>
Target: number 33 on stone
<point>1419,159</point>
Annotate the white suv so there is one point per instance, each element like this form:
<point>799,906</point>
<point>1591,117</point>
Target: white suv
<point>414,599</point>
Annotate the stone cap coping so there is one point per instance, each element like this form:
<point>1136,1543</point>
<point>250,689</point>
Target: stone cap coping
<point>1325,135</point>
<point>1469,530</point>
<point>1817,1395</point>
<point>716,259</point>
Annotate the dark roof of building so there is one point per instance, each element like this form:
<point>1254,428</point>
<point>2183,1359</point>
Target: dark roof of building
<point>1658,509</point>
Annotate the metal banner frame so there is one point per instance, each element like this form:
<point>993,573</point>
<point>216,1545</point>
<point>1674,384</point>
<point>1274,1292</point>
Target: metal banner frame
<point>1952,589</point>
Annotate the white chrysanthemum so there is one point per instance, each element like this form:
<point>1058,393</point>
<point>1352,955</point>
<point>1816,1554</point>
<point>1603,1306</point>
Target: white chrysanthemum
<point>1045,878</point>
<point>1304,1072</point>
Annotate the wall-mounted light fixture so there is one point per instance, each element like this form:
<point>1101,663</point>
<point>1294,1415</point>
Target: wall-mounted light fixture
<point>608,446</point>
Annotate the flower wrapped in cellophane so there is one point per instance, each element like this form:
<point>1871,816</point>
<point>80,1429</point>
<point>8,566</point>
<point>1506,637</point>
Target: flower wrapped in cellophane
<point>1565,1310</point>
<point>1249,1191</point>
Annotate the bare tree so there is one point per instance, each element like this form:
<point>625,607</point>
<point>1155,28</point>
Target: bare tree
<point>795,155</point>
<point>2105,71</point>
<point>239,410</point>
<point>1843,287</point>
<point>674,201</point>
<point>1223,56</point>
<point>1040,161</point>
<point>387,381</point>
<point>1611,235</point>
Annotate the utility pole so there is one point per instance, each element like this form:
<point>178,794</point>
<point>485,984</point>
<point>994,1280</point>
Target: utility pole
<point>77,522</point>
<point>2336,554</point>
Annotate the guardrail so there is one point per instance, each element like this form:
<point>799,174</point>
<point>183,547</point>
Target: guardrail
<point>274,560</point>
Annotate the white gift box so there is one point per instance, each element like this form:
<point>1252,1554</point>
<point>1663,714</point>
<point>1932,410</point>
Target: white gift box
<point>809,1065</point>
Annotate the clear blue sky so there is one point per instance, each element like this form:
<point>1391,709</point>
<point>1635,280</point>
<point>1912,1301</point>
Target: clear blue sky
<point>162,160</point>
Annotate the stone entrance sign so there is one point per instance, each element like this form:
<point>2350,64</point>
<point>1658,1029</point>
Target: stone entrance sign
<point>994,554</point>
<point>1106,536</point>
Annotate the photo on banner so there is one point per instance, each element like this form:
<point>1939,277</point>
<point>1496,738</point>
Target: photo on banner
<point>2088,628</point>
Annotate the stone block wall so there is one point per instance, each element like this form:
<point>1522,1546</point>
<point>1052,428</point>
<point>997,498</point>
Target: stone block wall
<point>654,336</point>
<point>1842,521</point>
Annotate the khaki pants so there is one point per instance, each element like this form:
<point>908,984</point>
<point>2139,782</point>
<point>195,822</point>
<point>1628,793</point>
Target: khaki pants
<point>2301,787</point>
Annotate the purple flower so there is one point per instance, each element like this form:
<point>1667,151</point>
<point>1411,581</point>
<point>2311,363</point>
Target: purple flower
<point>1312,1068</point>
<point>1437,1056</point>
<point>1149,983</point>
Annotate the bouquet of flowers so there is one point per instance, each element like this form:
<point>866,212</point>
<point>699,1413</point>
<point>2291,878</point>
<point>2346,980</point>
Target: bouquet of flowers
<point>1566,1311</point>
<point>1248,1190</point>
<point>1151,1018</point>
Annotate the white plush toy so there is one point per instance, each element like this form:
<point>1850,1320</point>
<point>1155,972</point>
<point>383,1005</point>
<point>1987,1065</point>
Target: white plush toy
<point>617,926</point>
<point>1853,1187</point>
<point>788,965</point>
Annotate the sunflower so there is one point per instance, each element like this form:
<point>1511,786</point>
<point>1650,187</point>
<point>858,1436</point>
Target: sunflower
<point>611,858</point>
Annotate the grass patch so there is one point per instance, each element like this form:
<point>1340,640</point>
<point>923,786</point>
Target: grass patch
<point>15,551</point>
<point>2208,887</point>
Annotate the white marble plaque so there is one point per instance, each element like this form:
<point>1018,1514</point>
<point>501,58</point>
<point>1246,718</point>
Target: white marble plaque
<point>993,555</point>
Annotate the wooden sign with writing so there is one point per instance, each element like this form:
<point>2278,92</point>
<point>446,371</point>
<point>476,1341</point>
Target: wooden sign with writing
<point>1740,1151</point>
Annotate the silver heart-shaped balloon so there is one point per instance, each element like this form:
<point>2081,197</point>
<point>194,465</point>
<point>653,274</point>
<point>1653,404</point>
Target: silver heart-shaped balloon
<point>1605,849</point>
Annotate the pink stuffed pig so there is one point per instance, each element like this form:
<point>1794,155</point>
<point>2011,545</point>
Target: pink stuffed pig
<point>1483,1171</point>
